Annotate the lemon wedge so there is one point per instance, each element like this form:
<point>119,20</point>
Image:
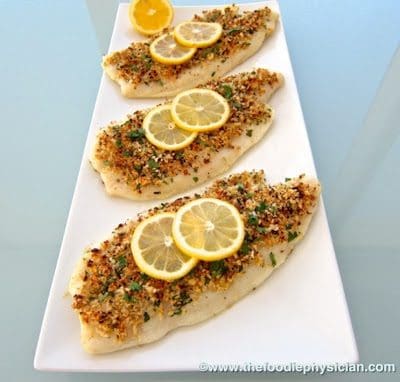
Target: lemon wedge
<point>195,34</point>
<point>155,252</point>
<point>150,16</point>
<point>166,50</point>
<point>208,229</point>
<point>199,110</point>
<point>162,132</point>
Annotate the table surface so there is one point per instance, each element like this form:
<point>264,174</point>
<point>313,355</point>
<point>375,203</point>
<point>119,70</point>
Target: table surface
<point>346,59</point>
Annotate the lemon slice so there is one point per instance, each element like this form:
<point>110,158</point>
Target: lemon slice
<point>162,132</point>
<point>195,34</point>
<point>166,50</point>
<point>208,229</point>
<point>155,252</point>
<point>199,110</point>
<point>150,16</point>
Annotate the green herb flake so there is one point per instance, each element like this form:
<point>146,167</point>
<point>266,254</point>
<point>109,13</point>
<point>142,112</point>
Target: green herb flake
<point>144,277</point>
<point>218,268</point>
<point>245,248</point>
<point>249,133</point>
<point>135,286</point>
<point>129,298</point>
<point>262,230</point>
<point>146,317</point>
<point>273,210</point>
<point>253,220</point>
<point>212,74</point>
<point>227,91</point>
<point>237,105</point>
<point>118,143</point>
<point>135,135</point>
<point>177,312</point>
<point>153,164</point>
<point>240,187</point>
<point>121,262</point>
<point>195,179</point>
<point>272,258</point>
<point>288,179</point>
<point>292,236</point>
<point>148,61</point>
<point>179,155</point>
<point>233,31</point>
<point>261,207</point>
<point>102,296</point>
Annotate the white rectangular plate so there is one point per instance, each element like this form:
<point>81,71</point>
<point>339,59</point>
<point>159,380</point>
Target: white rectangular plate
<point>299,314</point>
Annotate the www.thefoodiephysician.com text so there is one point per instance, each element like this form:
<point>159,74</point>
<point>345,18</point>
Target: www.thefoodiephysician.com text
<point>293,367</point>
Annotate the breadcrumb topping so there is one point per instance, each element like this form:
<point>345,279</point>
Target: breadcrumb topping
<point>135,64</point>
<point>118,299</point>
<point>124,150</point>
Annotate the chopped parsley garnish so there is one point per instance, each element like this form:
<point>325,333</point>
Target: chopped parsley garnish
<point>179,155</point>
<point>135,135</point>
<point>177,312</point>
<point>195,179</point>
<point>261,229</point>
<point>138,168</point>
<point>227,90</point>
<point>118,143</point>
<point>272,258</point>
<point>273,209</point>
<point>292,236</point>
<point>218,268</point>
<point>249,133</point>
<point>146,317</point>
<point>261,207</point>
<point>121,263</point>
<point>129,298</point>
<point>245,248</point>
<point>253,220</point>
<point>153,164</point>
<point>240,187</point>
<point>237,105</point>
<point>135,286</point>
<point>287,179</point>
<point>233,31</point>
<point>148,61</point>
<point>211,50</point>
<point>212,74</point>
<point>144,277</point>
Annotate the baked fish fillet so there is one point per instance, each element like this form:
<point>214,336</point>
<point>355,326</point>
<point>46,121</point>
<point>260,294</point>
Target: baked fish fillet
<point>139,76</point>
<point>114,317</point>
<point>131,167</point>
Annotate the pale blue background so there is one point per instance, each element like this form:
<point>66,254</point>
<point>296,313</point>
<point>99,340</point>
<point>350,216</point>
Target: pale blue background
<point>49,76</point>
